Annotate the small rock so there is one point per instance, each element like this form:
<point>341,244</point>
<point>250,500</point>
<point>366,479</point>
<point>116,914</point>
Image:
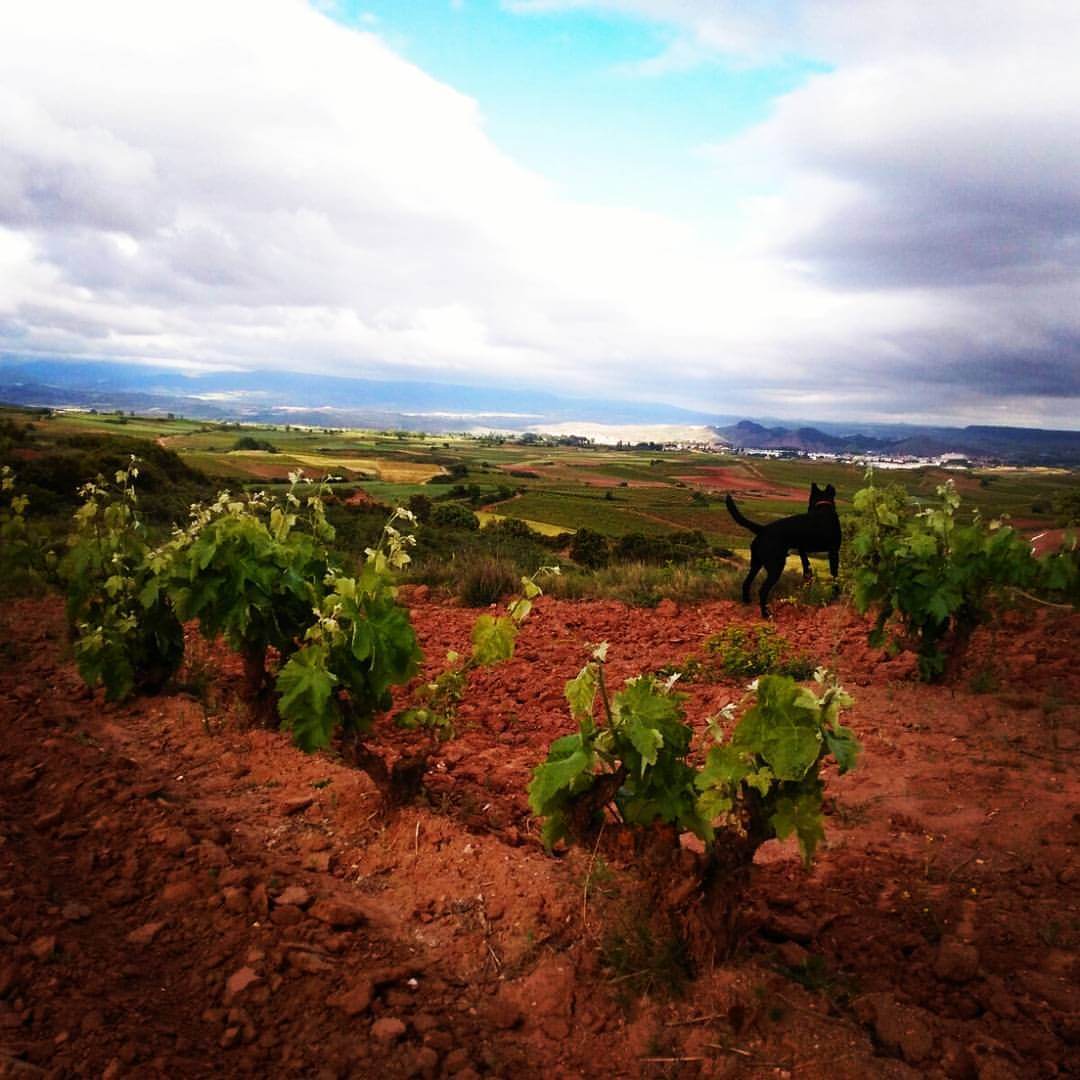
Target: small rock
<point>178,893</point>
<point>229,1038</point>
<point>296,805</point>
<point>455,1061</point>
<point>43,947</point>
<point>295,895</point>
<point>387,1030</point>
<point>239,981</point>
<point>340,914</point>
<point>667,609</point>
<point>792,955</point>
<point>212,855</point>
<point>356,1000</point>
<point>236,900</point>
<point>76,912</point>
<point>425,1062</point>
<point>145,933</point>
<point>956,961</point>
<point>112,1070</point>
<point>310,963</point>
<point>900,1029</point>
<point>260,899</point>
<point>318,860</point>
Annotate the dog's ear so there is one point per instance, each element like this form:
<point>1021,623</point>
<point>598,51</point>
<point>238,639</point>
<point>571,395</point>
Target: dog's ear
<point>831,491</point>
<point>814,488</point>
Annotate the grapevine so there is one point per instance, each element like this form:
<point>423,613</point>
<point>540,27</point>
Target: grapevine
<point>18,554</point>
<point>763,780</point>
<point>632,768</point>
<point>931,578</point>
<point>251,569</point>
<point>127,635</point>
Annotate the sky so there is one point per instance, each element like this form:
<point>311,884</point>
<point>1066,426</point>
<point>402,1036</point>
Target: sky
<point>857,209</point>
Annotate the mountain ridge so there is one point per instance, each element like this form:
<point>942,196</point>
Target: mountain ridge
<point>342,401</point>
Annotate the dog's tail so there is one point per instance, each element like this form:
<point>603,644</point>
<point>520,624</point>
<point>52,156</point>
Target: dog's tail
<point>746,523</point>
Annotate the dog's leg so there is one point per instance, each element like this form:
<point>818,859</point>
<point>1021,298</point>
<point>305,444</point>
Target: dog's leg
<point>754,568</point>
<point>772,576</point>
<point>807,573</point>
<point>834,570</point>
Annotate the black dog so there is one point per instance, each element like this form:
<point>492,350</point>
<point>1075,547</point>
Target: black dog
<point>815,531</point>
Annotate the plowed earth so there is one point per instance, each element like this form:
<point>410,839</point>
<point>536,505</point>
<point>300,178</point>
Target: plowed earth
<point>742,482</point>
<point>182,897</point>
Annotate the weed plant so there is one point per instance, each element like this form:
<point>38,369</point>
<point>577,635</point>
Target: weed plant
<point>487,580</point>
<point>759,650</point>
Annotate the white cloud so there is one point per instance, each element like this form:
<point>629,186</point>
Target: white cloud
<point>252,183</point>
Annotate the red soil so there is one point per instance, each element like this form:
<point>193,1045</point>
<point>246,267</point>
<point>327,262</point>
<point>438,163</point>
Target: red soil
<point>576,475</point>
<point>180,897</point>
<point>719,478</point>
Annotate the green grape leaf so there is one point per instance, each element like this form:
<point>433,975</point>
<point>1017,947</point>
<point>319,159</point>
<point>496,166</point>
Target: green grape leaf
<point>782,727</point>
<point>800,814</point>
<point>713,803</point>
<point>843,746</point>
<point>724,768</point>
<point>493,639</point>
<point>306,684</point>
<point>555,777</point>
<point>644,700</point>
<point>646,740</point>
<point>581,694</point>
<point>519,610</point>
<point>761,780</point>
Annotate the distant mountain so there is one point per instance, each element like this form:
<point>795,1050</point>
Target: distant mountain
<point>279,397</point>
<point>807,440</point>
<point>1029,446</point>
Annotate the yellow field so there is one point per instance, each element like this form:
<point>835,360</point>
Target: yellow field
<point>393,472</point>
<point>545,528</point>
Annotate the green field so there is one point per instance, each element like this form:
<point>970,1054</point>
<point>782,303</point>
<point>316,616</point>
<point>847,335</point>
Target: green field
<point>557,488</point>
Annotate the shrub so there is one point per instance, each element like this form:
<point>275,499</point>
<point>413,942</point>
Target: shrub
<point>589,548</point>
<point>487,581</point>
<point>249,442</point>
<point>421,507</point>
<point>454,516</point>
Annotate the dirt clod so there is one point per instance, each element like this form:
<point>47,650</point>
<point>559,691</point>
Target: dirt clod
<point>388,1029</point>
<point>956,961</point>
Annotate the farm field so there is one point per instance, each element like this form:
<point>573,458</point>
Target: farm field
<point>562,488</point>
<point>185,896</point>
